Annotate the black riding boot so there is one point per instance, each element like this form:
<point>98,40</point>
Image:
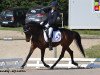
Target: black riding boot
<point>50,44</point>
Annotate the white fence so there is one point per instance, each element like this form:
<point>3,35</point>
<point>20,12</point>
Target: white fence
<point>83,62</point>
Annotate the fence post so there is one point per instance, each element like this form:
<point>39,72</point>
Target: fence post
<point>62,20</point>
<point>69,62</point>
<point>55,52</point>
<point>37,63</point>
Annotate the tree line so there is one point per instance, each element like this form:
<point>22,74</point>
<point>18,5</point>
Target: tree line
<point>4,4</point>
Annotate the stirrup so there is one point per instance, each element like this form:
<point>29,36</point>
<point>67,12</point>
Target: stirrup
<point>50,48</point>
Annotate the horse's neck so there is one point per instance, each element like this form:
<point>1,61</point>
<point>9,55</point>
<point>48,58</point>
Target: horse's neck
<point>40,35</point>
<point>37,34</point>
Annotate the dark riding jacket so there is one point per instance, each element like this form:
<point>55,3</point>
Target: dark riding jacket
<point>52,18</point>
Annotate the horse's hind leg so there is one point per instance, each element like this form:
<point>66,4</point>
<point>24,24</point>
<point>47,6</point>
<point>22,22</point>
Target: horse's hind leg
<point>61,56</point>
<point>71,54</point>
<point>32,48</point>
<point>42,58</point>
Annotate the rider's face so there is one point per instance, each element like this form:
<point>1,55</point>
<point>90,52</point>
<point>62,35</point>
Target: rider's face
<point>54,7</point>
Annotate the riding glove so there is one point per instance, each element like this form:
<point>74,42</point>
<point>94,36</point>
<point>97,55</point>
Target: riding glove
<point>47,25</point>
<point>41,23</point>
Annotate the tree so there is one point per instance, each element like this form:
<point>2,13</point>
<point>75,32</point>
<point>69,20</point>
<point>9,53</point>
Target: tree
<point>16,3</point>
<point>31,3</point>
<point>63,4</point>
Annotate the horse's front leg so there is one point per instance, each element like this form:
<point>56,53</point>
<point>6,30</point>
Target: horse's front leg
<point>42,58</point>
<point>32,48</point>
<point>61,56</point>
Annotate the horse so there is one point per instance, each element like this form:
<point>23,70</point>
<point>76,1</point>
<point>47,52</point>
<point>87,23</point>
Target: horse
<point>35,35</point>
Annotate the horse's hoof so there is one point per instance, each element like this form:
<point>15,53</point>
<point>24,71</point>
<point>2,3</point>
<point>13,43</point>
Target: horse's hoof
<point>51,67</point>
<point>22,67</point>
<point>79,67</point>
<point>47,66</point>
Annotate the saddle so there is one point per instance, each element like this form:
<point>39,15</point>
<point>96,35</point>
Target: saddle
<point>56,37</point>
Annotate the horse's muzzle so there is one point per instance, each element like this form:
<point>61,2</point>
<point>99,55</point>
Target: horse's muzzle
<point>27,39</point>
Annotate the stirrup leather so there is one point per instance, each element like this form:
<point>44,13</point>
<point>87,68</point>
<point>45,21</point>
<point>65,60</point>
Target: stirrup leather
<point>50,44</point>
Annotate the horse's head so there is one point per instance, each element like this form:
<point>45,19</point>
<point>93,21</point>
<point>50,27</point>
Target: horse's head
<point>27,33</point>
<point>28,36</point>
<point>30,29</point>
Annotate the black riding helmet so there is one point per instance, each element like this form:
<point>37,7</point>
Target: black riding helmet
<point>54,4</point>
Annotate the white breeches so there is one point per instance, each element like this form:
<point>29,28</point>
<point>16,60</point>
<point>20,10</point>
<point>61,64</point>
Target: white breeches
<point>50,32</point>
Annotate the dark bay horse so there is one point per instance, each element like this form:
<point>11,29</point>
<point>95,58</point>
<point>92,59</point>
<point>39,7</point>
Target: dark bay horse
<point>35,34</point>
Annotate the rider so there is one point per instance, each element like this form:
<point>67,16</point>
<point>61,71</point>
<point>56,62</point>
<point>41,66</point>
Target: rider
<point>51,21</point>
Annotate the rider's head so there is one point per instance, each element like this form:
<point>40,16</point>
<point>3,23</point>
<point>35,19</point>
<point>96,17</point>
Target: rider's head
<point>54,5</point>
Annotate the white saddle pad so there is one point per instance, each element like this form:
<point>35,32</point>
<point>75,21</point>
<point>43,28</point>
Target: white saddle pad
<point>56,36</point>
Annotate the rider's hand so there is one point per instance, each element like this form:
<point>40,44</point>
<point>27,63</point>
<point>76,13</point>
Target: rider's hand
<point>47,25</point>
<point>41,23</point>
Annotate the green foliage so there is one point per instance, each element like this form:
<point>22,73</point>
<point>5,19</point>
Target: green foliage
<point>12,28</point>
<point>89,32</point>
<point>8,4</point>
<point>63,5</point>
<point>26,3</point>
<point>16,3</point>
<point>29,3</point>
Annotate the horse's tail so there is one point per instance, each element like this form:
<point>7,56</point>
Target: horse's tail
<point>78,42</point>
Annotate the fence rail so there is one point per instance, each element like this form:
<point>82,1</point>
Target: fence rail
<point>83,62</point>
<point>64,63</point>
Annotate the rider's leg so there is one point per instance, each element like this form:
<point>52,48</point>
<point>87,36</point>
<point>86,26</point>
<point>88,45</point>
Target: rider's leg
<point>50,38</point>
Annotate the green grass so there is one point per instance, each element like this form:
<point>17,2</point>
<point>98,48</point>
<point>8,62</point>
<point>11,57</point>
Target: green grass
<point>93,52</point>
<point>86,31</point>
<point>12,28</point>
<point>89,32</point>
